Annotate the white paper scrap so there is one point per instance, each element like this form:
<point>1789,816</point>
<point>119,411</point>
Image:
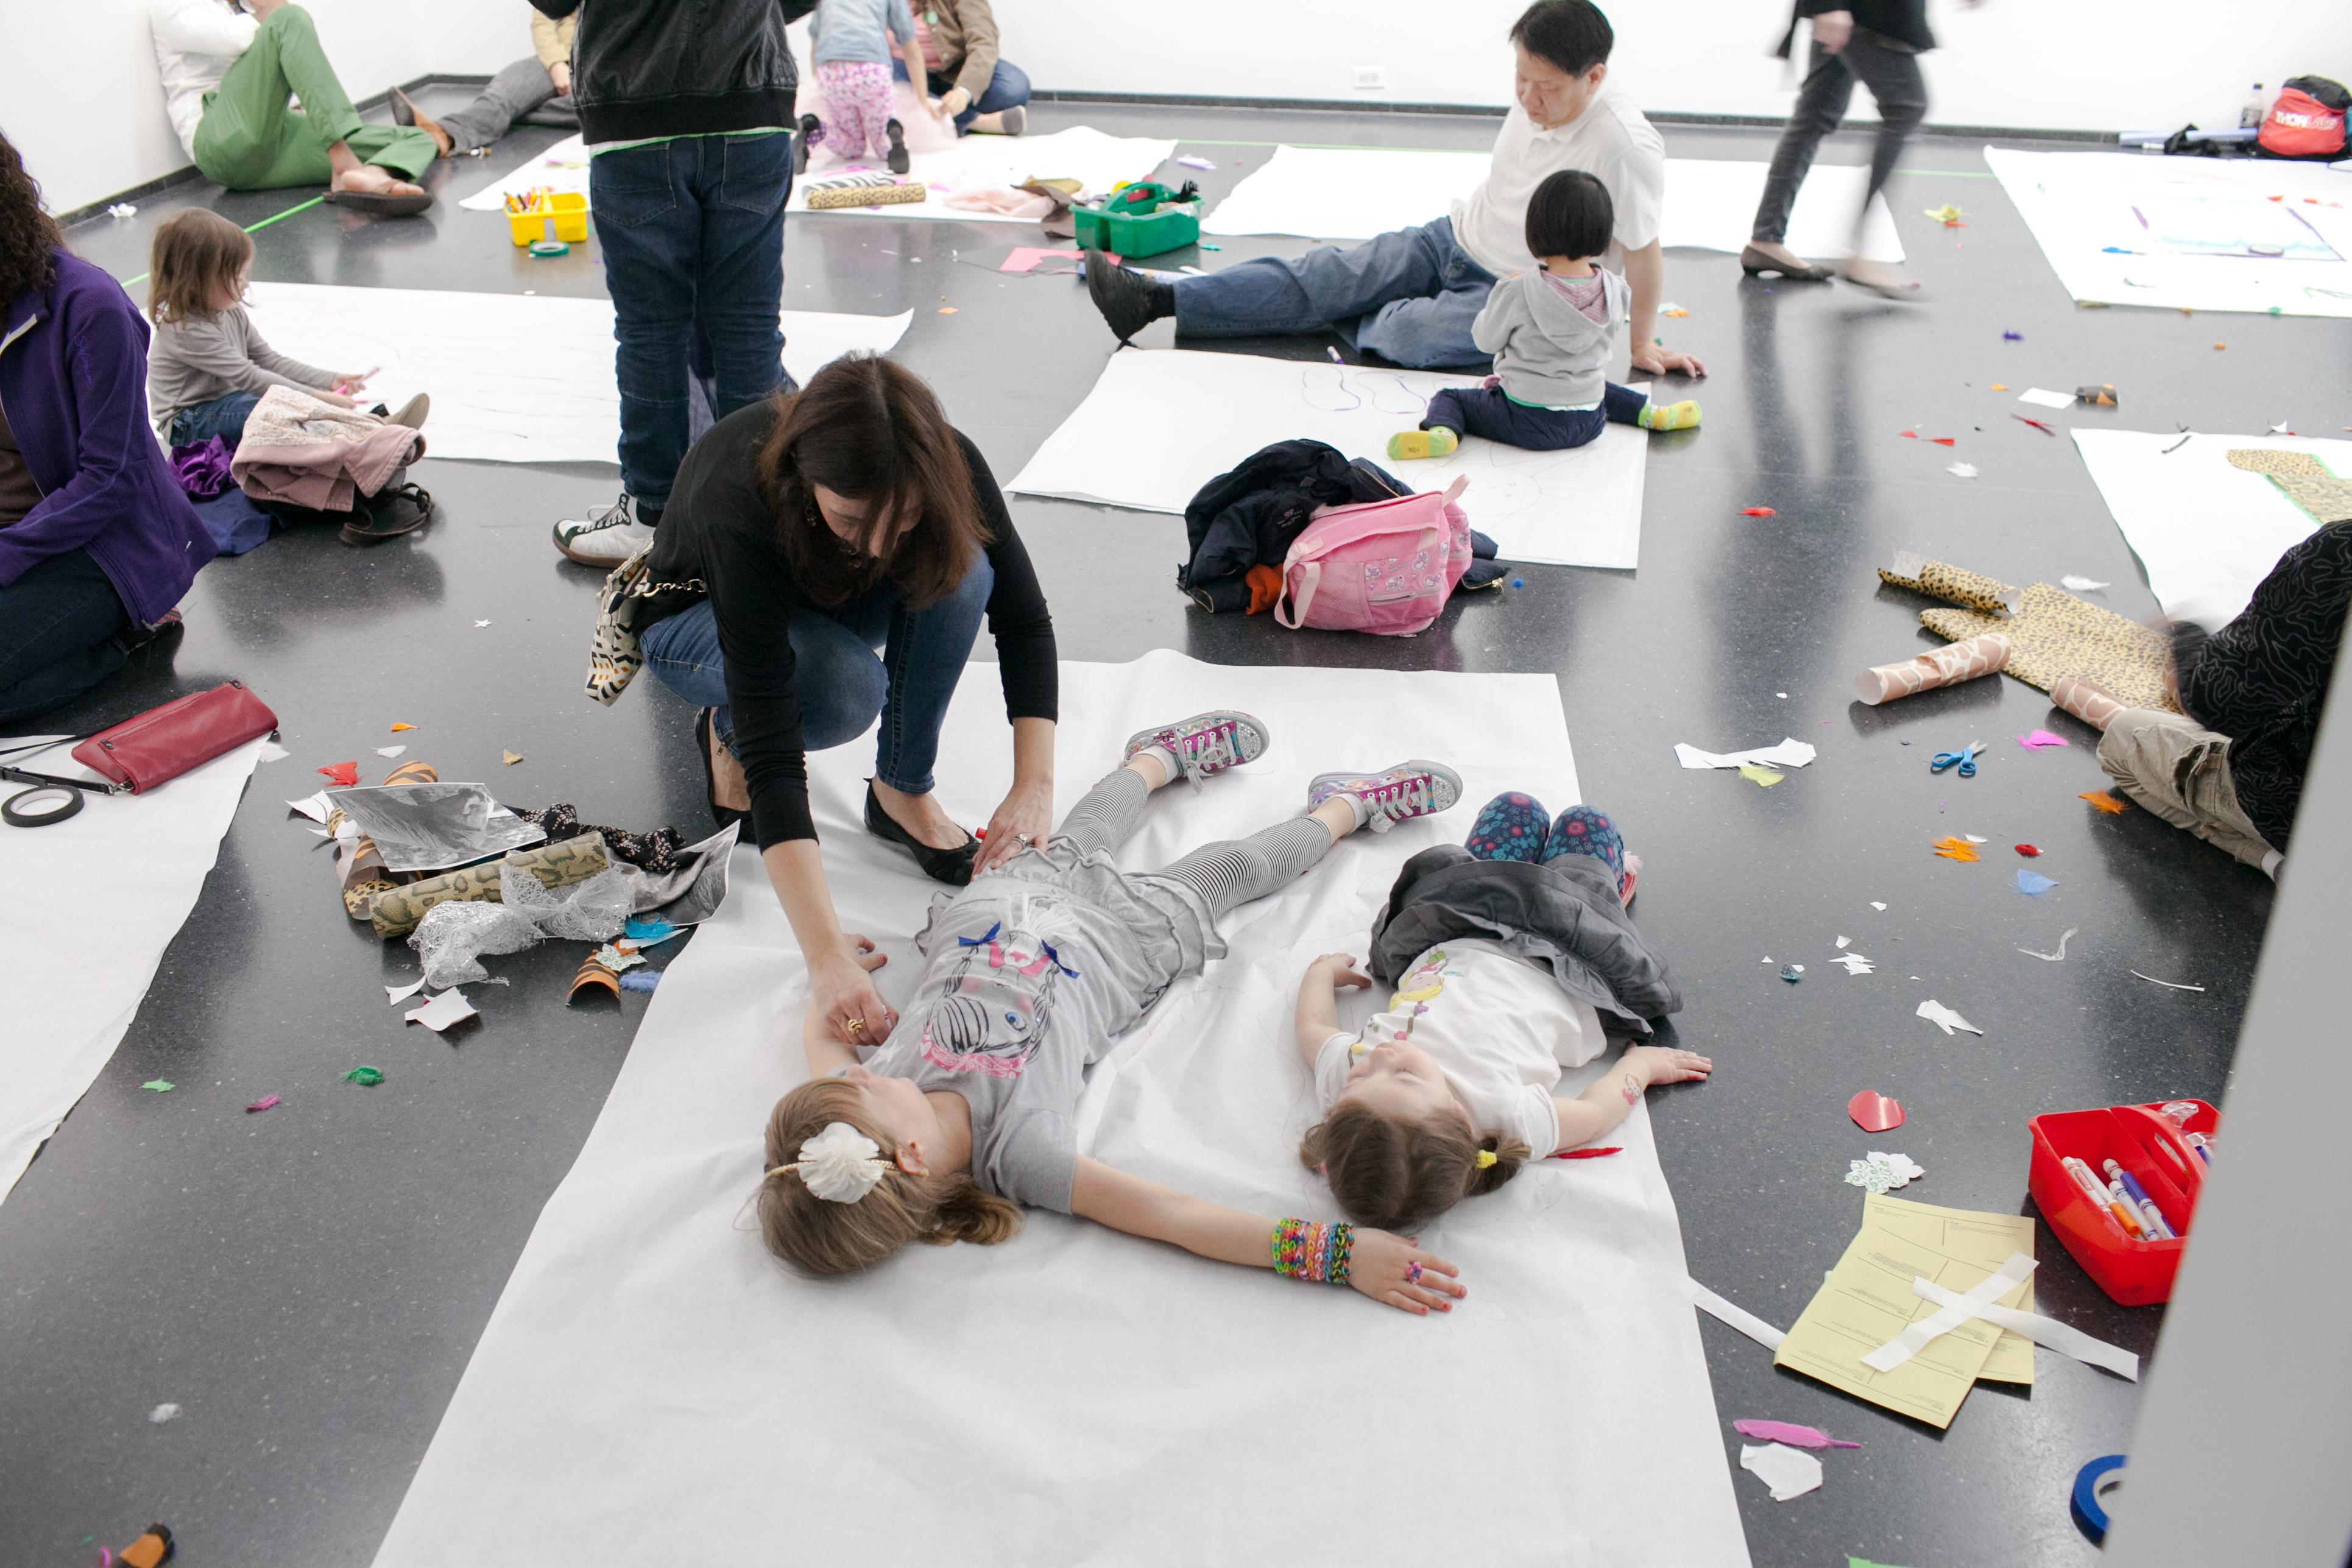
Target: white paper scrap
<point>162,1413</point>
<point>390,751</point>
<point>2043,397</point>
<point>1842,943</point>
<point>1917,1337</point>
<point>1882,1173</point>
<point>396,994</point>
<point>1975,838</point>
<point>2058,956</point>
<point>1740,1318</point>
<point>315,808</point>
<point>1856,963</point>
<point>1965,470</point>
<point>1790,753</point>
<point>1789,1472</point>
<point>2074,585</point>
<point>2063,1338</point>
<point>1877,905</point>
<point>449,1007</point>
<point>1944,1019</point>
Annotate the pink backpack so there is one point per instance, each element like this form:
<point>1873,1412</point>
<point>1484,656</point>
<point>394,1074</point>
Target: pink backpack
<point>1385,567</point>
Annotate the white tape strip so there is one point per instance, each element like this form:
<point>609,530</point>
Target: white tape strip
<point>1746,1322</point>
<point>2060,1337</point>
<point>1919,1335</point>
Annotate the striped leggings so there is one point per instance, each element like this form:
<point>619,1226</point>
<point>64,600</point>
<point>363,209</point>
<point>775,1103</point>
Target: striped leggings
<point>1226,874</point>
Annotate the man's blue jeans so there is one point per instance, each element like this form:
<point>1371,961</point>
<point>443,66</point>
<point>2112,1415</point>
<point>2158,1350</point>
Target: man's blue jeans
<point>1409,296</point>
<point>842,685</point>
<point>693,236</point>
<point>1008,88</point>
<point>223,416</point>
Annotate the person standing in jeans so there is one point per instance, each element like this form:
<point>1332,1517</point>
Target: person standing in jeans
<point>684,111</point>
<point>1880,42</point>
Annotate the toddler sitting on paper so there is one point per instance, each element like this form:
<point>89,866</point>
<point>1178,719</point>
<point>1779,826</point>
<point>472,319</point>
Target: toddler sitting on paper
<point>207,366</point>
<point>1504,954</point>
<point>1550,331</point>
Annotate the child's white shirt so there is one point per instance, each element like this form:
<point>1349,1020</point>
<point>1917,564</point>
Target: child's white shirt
<point>1499,1027</point>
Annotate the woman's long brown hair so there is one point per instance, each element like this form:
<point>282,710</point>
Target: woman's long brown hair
<point>868,429</point>
<point>29,237</point>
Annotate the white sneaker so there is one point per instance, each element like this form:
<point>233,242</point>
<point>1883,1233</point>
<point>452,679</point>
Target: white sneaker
<point>606,536</point>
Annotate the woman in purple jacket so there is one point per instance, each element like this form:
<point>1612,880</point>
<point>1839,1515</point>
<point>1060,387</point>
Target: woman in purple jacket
<point>96,541</point>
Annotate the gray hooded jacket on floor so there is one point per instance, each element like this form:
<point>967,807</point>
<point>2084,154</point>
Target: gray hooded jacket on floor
<point>1564,915</point>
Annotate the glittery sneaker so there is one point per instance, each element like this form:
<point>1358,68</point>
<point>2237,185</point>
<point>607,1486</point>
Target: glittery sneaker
<point>1206,742</point>
<point>1411,789</point>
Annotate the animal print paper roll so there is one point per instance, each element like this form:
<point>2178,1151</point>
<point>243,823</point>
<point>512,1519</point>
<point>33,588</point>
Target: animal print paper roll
<point>1982,655</point>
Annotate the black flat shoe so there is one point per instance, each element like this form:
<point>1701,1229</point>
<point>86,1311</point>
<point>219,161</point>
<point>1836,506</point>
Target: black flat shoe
<point>812,133</point>
<point>721,815</point>
<point>898,159</point>
<point>1753,261</point>
<point>952,867</point>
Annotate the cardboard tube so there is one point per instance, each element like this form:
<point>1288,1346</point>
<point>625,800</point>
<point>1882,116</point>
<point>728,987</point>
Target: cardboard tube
<point>1949,666</point>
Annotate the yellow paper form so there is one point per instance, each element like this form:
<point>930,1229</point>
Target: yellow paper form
<point>1867,1301</point>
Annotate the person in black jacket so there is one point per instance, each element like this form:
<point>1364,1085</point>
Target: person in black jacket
<point>809,533</point>
<point>2229,767</point>
<point>685,110</point>
<point>1880,42</point>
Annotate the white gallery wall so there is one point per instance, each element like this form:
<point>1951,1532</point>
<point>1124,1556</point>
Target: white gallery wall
<point>79,93</point>
<point>80,96</point>
<point>2076,65</point>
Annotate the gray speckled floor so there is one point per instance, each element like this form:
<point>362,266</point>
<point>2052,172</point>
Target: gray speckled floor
<point>308,1285</point>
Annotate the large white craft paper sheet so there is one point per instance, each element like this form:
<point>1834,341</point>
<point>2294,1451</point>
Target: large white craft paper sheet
<point>1355,192</point>
<point>515,378</point>
<point>563,168</point>
<point>1161,423</point>
<point>1094,158</point>
<point>91,903</point>
<point>654,1380</point>
<point>2206,532</point>
<point>2124,229</point>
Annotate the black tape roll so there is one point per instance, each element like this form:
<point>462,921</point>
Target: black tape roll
<point>15,813</point>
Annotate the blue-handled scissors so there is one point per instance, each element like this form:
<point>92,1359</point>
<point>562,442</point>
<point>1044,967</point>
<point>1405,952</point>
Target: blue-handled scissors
<point>1964,760</point>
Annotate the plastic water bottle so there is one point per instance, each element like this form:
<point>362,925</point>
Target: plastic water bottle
<point>2257,109</point>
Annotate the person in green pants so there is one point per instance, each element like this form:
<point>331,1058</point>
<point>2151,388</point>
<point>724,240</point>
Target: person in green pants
<point>229,72</point>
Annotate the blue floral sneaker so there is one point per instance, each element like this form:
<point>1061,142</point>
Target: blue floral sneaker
<point>1411,789</point>
<point>1206,743</point>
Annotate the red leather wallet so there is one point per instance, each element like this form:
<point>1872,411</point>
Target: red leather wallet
<point>163,742</point>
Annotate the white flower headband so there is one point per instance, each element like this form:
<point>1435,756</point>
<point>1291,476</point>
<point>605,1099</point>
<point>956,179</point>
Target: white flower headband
<point>840,1165</point>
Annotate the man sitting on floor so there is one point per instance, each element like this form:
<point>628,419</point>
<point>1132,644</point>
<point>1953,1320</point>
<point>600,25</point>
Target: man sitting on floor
<point>1410,295</point>
<point>532,91</point>
<point>2232,772</point>
<point>226,76</point>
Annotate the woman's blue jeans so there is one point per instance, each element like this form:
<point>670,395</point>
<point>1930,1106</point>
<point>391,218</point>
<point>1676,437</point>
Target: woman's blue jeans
<point>844,686</point>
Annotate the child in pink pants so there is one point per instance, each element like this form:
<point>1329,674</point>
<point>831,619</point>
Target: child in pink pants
<point>850,42</point>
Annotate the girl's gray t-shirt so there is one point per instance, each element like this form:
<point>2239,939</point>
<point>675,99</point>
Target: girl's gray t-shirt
<point>1030,974</point>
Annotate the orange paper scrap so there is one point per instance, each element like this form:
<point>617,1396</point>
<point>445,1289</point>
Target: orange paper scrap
<point>2103,801</point>
<point>1956,849</point>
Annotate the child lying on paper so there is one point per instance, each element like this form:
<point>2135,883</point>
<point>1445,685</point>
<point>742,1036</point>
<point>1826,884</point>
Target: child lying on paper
<point>965,1112</point>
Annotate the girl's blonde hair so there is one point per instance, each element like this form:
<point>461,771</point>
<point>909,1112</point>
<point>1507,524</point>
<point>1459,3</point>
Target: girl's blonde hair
<point>1398,1175</point>
<point>822,1236</point>
<point>196,258</point>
